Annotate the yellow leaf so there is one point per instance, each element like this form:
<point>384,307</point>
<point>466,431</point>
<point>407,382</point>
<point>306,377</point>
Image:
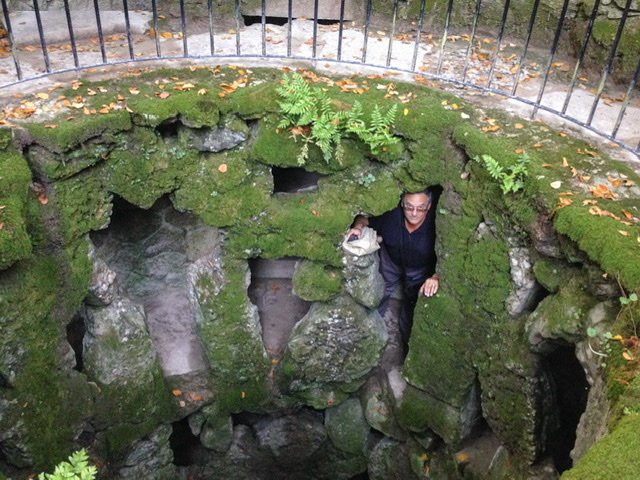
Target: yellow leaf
<point>51,126</point>
<point>166,35</point>
<point>617,337</point>
<point>589,202</point>
<point>163,95</point>
<point>42,96</point>
<point>518,126</point>
<point>405,112</point>
<point>134,91</point>
<point>565,163</point>
<point>537,145</point>
<point>520,151</point>
<point>627,356</point>
<point>624,233</point>
<point>202,91</point>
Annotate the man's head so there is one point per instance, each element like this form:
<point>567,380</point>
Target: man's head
<point>415,206</point>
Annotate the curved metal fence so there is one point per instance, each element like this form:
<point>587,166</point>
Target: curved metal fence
<point>575,63</point>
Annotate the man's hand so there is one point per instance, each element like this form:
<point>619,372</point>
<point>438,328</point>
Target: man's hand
<point>430,286</point>
<point>354,233</point>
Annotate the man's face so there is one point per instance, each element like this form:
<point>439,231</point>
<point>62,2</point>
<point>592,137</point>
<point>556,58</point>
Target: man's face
<point>415,207</point>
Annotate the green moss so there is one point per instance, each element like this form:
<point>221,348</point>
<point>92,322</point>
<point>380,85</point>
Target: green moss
<point>14,187</point>
<point>239,364</point>
<point>438,359</point>
<point>144,167</point>
<point>615,457</point>
<point>600,238</point>
<point>224,189</point>
<point>604,32</point>
<point>306,225</point>
<point>420,411</point>
<point>552,274</point>
<point>313,281</point>
<point>189,107</point>
<point>71,133</point>
<point>82,203</point>
<point>34,314</point>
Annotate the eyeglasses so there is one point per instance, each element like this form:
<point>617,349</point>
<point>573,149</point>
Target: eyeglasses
<point>412,208</point>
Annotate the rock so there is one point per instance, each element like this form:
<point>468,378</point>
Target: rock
<point>347,427</point>
<point>552,274</point>
<point>150,458</point>
<point>594,421</point>
<point>217,430</point>
<point>363,281</point>
<point>215,139</point>
<point>292,439</point>
<point>388,460</point>
<point>525,288</point>
<point>102,288</point>
<point>544,237</point>
<point>330,352</point>
<point>117,346</point>
<point>379,407</point>
<point>559,317</point>
<point>13,444</point>
<point>600,318</point>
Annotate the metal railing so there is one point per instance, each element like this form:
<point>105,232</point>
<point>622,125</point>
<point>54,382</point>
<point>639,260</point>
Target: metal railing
<point>519,60</point>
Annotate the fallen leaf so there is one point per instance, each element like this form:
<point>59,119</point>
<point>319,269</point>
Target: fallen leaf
<point>627,356</point>
<point>163,95</point>
<point>42,96</point>
<point>589,202</point>
<point>537,145</point>
<point>564,202</point>
<point>176,392</point>
<point>616,182</point>
<point>565,163</point>
<point>43,199</point>
<point>405,112</point>
<point>628,214</point>
<point>134,91</point>
<point>602,191</point>
<point>545,165</point>
<point>624,233</point>
<point>222,168</point>
<point>315,213</point>
<point>203,91</point>
<point>518,126</point>
<point>557,184</point>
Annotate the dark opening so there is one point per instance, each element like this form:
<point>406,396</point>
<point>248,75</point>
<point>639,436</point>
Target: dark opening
<point>4,381</point>
<point>292,180</point>
<point>271,290</point>
<point>571,390</point>
<point>168,129</point>
<point>75,335</point>
<point>184,443</point>
<point>253,19</point>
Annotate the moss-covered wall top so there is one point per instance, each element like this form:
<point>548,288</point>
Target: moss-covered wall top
<point>150,135</point>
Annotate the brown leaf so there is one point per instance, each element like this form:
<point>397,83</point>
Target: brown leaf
<point>176,392</point>
<point>43,199</point>
<point>163,95</point>
<point>627,356</point>
<point>624,233</point>
<point>602,191</point>
<point>222,168</point>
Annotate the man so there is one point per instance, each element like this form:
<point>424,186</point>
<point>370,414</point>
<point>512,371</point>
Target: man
<point>407,254</point>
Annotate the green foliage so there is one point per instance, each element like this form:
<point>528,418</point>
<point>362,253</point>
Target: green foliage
<point>511,178</point>
<point>77,468</point>
<point>310,112</point>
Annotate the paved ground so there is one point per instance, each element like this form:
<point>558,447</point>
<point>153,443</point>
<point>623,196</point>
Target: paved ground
<point>248,41</point>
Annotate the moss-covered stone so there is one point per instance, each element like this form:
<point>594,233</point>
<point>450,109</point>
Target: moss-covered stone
<point>189,107</point>
<point>224,189</point>
<point>613,457</point>
<point>14,187</point>
<point>314,281</point>
<point>552,274</point>
<point>231,340</point>
<point>70,134</point>
<point>80,204</point>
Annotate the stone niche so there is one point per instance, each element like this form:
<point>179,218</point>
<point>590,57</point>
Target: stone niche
<point>174,296</point>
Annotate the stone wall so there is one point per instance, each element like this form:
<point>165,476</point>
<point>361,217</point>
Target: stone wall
<point>191,152</point>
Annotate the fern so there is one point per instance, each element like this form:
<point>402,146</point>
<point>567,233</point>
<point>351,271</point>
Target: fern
<point>305,106</point>
<point>511,179</point>
<point>77,468</point>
